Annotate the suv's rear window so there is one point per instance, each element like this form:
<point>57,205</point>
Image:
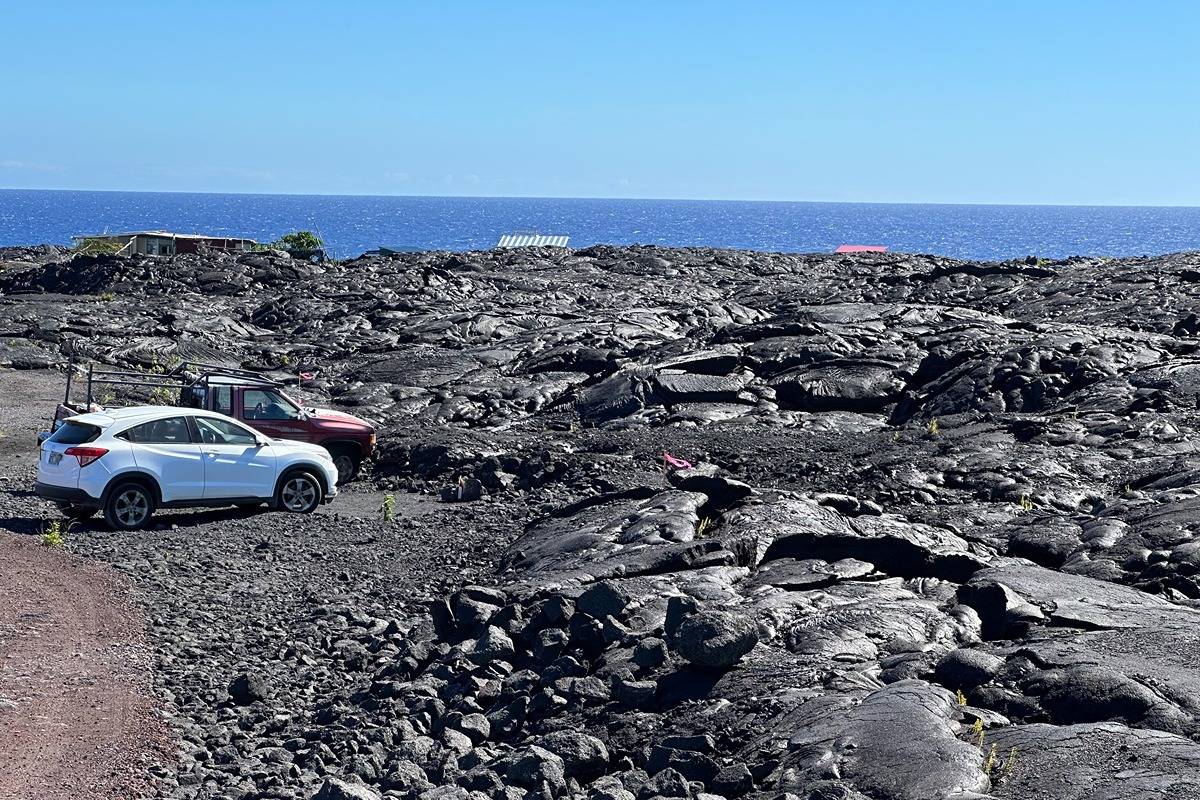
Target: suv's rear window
<point>75,433</point>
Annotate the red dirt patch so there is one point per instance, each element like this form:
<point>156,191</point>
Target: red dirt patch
<point>75,718</point>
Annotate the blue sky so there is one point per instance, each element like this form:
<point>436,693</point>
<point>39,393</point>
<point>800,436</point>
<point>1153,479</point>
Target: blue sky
<point>1005,102</point>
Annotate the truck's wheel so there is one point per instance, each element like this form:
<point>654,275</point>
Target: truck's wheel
<point>346,464</point>
<point>299,493</point>
<point>129,507</point>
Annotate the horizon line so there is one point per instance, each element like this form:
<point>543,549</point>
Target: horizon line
<point>599,197</point>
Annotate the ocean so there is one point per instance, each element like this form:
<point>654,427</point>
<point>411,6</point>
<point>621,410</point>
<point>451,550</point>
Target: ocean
<point>353,224</point>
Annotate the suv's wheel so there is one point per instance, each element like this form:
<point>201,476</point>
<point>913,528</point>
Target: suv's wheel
<point>346,464</point>
<point>72,511</point>
<point>299,493</point>
<point>129,507</point>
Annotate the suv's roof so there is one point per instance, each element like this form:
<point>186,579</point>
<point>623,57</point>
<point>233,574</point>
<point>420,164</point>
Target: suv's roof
<point>102,419</point>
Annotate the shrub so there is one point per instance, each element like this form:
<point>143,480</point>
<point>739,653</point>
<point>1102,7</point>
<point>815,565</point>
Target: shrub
<point>98,246</point>
<point>299,241</point>
<point>388,509</point>
<point>52,536</point>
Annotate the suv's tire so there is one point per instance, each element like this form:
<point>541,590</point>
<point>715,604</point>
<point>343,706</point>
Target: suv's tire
<point>129,506</point>
<point>347,463</point>
<point>299,493</point>
<point>78,513</point>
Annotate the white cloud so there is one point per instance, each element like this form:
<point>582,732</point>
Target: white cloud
<point>29,166</point>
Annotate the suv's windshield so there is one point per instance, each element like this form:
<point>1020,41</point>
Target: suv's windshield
<point>71,432</point>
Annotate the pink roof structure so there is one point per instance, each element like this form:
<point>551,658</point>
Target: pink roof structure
<point>861,248</point>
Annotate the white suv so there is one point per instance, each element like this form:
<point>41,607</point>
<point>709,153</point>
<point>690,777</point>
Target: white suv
<point>127,462</point>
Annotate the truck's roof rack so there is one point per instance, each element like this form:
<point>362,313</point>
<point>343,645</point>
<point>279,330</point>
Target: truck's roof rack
<point>183,376</point>
<point>214,370</point>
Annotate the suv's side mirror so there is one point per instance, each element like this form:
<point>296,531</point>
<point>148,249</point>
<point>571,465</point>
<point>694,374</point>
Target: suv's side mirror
<point>261,441</point>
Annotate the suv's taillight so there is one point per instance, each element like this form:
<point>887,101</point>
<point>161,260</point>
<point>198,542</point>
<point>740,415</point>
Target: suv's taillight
<point>86,455</point>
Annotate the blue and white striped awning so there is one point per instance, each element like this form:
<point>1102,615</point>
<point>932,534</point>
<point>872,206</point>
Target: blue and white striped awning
<point>531,240</point>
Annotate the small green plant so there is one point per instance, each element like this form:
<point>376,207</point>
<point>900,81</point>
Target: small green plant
<point>161,396</point>
<point>962,698</point>
<point>989,763</point>
<point>1127,489</point>
<point>1009,763</point>
<point>107,296</point>
<point>895,436</point>
<point>388,509</point>
<point>932,428</point>
<point>706,525</point>
<point>285,360</point>
<point>977,731</point>
<point>52,536</point>
<point>1026,503</point>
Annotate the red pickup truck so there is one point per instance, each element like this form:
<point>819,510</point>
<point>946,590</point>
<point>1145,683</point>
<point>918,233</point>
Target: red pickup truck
<point>263,405</point>
<point>250,397</point>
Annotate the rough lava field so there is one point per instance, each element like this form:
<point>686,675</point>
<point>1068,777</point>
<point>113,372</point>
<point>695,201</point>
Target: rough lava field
<point>940,539</point>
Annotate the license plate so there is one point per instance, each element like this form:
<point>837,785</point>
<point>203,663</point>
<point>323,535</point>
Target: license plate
<point>55,458</point>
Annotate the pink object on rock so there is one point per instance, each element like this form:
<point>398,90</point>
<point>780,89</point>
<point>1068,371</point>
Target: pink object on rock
<point>861,248</point>
<point>677,463</point>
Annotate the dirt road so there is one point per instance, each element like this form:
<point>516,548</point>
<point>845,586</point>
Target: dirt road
<point>75,721</point>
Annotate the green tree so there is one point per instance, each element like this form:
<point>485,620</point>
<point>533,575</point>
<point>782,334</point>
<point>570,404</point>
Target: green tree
<point>299,241</point>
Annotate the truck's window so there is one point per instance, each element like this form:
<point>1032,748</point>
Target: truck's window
<point>222,399</point>
<point>173,430</point>
<point>219,431</point>
<point>267,404</point>
<point>75,433</point>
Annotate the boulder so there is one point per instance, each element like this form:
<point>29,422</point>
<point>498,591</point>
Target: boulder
<point>966,669</point>
<point>534,767</point>
<point>493,645</point>
<point>603,599</point>
<point>338,789</point>
<point>583,756</point>
<point>248,688</point>
<point>715,639</point>
<point>667,783</point>
<point>708,479</point>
